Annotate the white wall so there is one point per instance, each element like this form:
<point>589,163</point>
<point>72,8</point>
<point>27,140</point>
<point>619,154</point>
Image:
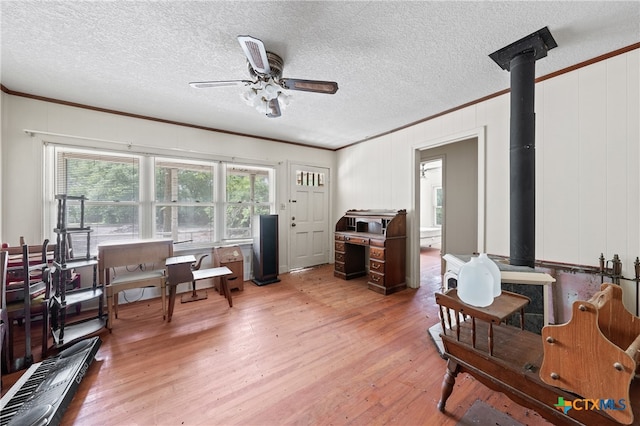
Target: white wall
<point>22,157</point>
<point>587,153</point>
<point>587,167</point>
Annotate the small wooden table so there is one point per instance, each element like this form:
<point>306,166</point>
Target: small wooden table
<point>179,271</point>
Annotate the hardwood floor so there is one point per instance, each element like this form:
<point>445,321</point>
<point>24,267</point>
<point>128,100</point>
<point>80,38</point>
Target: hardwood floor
<point>311,349</point>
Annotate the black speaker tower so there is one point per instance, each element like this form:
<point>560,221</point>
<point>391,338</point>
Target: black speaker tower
<point>265,249</point>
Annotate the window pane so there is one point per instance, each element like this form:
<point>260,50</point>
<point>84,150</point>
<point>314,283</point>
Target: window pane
<point>238,188</point>
<point>261,191</point>
<point>247,184</point>
<point>238,221</point>
<point>438,196</point>
<point>239,218</point>
<point>247,194</point>
<point>437,202</point>
<point>98,177</point>
<point>109,221</point>
<point>111,186</point>
<point>438,216</point>
<point>185,223</point>
<point>184,182</point>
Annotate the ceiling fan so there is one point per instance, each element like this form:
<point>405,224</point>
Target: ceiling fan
<point>265,89</point>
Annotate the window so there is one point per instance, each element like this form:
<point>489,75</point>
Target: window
<point>187,200</point>
<point>437,205</point>
<point>185,211</point>
<point>305,178</point>
<point>248,194</point>
<point>111,185</point>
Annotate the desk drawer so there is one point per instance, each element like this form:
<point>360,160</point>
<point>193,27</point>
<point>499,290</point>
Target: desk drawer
<point>339,257</point>
<point>237,271</point>
<point>339,266</point>
<point>376,253</point>
<point>377,243</point>
<point>357,240</point>
<point>339,246</point>
<point>339,237</point>
<point>375,266</point>
<point>376,278</point>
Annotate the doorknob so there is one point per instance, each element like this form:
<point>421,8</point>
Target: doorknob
<point>293,225</point>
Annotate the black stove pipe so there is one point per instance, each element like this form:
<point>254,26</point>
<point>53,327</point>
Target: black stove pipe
<point>519,58</point>
<point>522,161</point>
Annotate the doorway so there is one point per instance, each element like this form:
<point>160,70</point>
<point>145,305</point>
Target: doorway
<point>431,221</point>
<point>459,195</point>
<point>431,204</point>
<point>309,219</point>
<point>459,199</point>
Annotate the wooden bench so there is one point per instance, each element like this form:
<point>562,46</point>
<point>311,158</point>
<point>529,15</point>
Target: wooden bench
<point>126,265</point>
<point>514,365</point>
<point>180,270</point>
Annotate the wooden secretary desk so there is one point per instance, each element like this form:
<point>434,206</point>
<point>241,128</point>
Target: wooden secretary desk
<point>384,233</point>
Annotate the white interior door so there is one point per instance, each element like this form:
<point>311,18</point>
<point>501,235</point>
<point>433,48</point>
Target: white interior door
<point>309,219</point>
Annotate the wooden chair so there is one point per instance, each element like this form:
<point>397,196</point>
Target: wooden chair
<point>181,269</point>
<point>25,292</point>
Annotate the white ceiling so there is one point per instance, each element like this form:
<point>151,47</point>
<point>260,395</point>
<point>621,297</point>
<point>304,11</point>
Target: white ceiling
<point>395,62</point>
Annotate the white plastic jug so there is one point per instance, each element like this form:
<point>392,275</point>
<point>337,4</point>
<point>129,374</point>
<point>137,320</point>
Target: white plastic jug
<point>495,272</point>
<point>475,284</point>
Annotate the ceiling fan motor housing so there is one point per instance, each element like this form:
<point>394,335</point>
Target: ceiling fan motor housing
<point>275,63</point>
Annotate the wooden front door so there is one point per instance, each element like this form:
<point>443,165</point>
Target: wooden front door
<point>309,216</point>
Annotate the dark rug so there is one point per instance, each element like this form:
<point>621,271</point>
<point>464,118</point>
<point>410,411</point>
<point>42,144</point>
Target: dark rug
<point>483,414</point>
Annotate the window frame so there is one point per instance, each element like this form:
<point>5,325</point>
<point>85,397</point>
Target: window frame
<point>252,204</point>
<point>60,155</point>
<point>147,186</point>
<point>213,168</point>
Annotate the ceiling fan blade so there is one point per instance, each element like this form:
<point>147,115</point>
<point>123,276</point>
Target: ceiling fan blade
<point>273,108</point>
<point>256,54</point>
<point>329,87</point>
<point>208,84</point>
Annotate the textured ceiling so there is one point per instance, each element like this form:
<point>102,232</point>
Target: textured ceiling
<point>395,62</point>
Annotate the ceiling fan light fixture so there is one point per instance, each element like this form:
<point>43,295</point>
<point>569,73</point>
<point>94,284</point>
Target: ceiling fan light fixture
<point>260,95</point>
<point>261,105</point>
<point>270,91</point>
<point>249,95</point>
<point>284,100</point>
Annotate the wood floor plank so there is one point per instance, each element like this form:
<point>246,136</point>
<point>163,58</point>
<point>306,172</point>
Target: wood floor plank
<point>311,349</point>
